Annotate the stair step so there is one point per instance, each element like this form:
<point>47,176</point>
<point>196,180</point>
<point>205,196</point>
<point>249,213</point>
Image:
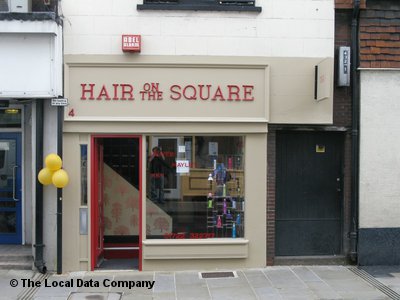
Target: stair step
<point>16,258</point>
<point>16,265</point>
<point>310,260</point>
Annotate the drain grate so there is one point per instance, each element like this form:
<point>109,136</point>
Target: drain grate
<point>212,275</point>
<point>94,296</point>
<point>28,293</point>
<point>375,283</point>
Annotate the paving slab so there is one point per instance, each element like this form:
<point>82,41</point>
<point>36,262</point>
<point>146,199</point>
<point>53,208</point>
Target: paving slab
<point>164,288</point>
<point>189,285</point>
<point>322,290</point>
<point>257,278</point>
<point>267,292</point>
<point>281,282</point>
<point>142,283</point>
<point>225,293</point>
<point>305,274</point>
<point>283,278</point>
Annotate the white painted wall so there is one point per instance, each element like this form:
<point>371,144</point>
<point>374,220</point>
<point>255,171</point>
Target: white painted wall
<point>284,28</point>
<point>380,149</point>
<point>30,59</point>
<point>49,191</point>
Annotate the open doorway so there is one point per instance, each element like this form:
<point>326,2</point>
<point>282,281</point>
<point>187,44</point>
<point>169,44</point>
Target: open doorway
<point>116,202</point>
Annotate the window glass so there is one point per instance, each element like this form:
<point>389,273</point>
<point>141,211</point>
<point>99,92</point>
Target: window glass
<point>10,118</point>
<point>84,175</point>
<point>195,187</point>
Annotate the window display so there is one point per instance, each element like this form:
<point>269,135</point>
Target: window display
<point>198,191</point>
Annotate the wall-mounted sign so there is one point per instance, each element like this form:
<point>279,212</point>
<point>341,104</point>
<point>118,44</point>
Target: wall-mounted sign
<point>320,148</point>
<point>131,43</point>
<point>181,149</point>
<point>59,102</point>
<point>213,148</point>
<point>180,92</point>
<point>344,66</point>
<point>323,80</point>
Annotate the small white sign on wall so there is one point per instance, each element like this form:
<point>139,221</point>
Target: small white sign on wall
<point>181,149</point>
<point>213,148</point>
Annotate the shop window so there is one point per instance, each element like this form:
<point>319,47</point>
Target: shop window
<point>195,187</point>
<point>10,118</point>
<point>216,5</point>
<point>84,175</point>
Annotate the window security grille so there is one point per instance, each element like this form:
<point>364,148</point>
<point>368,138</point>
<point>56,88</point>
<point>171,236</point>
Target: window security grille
<point>199,2</point>
<point>160,1</point>
<point>4,6</point>
<point>237,2</point>
<point>211,5</point>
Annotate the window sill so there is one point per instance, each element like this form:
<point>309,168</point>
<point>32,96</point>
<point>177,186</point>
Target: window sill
<point>196,249</point>
<point>238,8</point>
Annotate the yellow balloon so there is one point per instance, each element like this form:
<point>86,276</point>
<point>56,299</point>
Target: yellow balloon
<point>60,178</point>
<point>53,162</point>
<point>45,176</point>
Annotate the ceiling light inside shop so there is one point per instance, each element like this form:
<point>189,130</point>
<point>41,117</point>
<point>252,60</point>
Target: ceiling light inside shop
<point>12,111</point>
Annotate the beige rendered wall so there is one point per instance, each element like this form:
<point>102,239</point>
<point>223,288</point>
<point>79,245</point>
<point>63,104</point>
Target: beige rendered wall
<point>283,93</point>
<point>283,88</point>
<point>75,246</point>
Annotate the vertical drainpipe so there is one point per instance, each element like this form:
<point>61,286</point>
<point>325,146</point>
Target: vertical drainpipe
<point>60,115</point>
<point>355,141</point>
<point>60,121</point>
<point>39,262</point>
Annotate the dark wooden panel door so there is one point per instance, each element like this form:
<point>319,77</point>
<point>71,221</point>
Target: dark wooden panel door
<point>308,193</point>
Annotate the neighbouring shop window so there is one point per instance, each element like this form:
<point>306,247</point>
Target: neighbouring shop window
<point>84,175</point>
<point>10,118</point>
<point>195,187</point>
<point>218,5</point>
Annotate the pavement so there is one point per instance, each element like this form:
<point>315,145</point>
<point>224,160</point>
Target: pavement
<point>277,282</point>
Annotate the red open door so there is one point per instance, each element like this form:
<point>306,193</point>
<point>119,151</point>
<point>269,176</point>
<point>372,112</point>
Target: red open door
<point>101,247</point>
<point>97,203</point>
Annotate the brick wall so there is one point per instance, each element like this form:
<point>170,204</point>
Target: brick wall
<point>380,35</point>
<point>345,4</point>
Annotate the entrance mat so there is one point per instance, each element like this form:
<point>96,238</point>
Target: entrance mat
<point>94,296</point>
<point>212,275</point>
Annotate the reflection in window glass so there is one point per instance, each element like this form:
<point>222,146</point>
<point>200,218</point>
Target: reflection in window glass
<point>8,222</point>
<point>195,187</point>
<point>84,175</point>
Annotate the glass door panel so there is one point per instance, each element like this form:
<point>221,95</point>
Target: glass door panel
<point>10,188</point>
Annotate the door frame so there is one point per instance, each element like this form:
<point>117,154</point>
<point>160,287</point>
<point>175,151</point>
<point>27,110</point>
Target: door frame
<point>93,193</point>
<point>20,130</point>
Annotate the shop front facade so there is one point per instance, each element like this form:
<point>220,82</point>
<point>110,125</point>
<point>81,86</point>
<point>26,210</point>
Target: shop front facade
<point>205,121</point>
<point>31,75</point>
<point>166,147</point>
